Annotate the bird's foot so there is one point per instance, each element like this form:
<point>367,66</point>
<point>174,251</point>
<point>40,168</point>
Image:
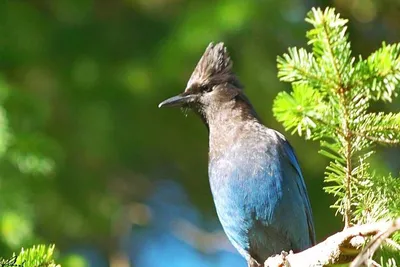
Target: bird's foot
<point>278,260</point>
<point>253,263</point>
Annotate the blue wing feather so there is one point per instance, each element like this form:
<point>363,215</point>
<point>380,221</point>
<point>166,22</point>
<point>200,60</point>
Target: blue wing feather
<point>302,190</point>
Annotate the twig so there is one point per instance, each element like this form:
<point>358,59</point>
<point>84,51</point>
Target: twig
<point>381,140</point>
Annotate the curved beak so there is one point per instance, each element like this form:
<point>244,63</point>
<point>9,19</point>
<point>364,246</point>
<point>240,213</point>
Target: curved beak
<point>177,101</point>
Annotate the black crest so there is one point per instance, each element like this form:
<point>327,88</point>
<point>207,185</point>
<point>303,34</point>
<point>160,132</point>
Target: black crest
<point>214,64</point>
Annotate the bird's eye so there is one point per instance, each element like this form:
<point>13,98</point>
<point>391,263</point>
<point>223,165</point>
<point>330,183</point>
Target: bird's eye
<point>205,88</point>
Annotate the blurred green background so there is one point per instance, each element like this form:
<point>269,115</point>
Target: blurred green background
<point>84,150</point>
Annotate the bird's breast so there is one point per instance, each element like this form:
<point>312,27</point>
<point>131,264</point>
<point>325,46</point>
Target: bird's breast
<point>248,181</point>
<point>247,192</point>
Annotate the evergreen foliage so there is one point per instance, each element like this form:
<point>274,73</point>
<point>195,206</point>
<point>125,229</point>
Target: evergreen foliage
<point>330,102</point>
<point>37,256</point>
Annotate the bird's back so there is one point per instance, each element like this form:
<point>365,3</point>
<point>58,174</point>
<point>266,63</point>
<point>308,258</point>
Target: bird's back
<point>259,193</point>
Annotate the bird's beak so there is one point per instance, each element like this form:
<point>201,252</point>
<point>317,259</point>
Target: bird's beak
<point>178,101</point>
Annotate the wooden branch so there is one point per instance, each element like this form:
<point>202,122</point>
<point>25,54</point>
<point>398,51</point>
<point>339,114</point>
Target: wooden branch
<point>378,239</point>
<point>341,247</point>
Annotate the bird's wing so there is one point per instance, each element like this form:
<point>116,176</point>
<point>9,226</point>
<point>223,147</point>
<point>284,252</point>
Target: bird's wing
<point>289,151</point>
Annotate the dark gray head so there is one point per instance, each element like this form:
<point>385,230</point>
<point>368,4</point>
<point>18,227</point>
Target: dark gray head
<point>212,83</point>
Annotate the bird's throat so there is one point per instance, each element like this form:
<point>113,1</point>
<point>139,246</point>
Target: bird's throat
<point>228,123</point>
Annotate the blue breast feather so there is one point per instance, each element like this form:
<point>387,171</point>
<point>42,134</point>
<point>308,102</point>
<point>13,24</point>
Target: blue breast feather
<point>261,198</point>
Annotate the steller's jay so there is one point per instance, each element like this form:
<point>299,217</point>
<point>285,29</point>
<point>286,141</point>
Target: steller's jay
<point>255,178</point>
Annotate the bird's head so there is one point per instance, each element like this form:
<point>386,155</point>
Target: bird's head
<point>211,84</point>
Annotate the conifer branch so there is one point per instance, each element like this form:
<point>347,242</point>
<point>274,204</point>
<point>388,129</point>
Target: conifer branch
<point>381,140</point>
<point>331,54</point>
<point>298,66</point>
<point>348,153</point>
<point>330,103</point>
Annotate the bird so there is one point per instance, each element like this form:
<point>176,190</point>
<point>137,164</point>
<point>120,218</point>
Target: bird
<point>256,182</point>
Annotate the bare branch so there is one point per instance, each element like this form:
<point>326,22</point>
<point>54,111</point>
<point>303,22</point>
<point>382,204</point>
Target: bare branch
<point>370,249</point>
<point>341,247</point>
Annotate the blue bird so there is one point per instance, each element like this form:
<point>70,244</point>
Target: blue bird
<point>255,178</point>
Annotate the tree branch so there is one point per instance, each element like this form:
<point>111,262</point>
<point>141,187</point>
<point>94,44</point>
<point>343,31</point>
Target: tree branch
<point>341,247</point>
<point>378,239</point>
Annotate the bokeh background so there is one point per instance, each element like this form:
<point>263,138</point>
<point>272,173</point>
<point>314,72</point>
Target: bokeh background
<point>88,161</point>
